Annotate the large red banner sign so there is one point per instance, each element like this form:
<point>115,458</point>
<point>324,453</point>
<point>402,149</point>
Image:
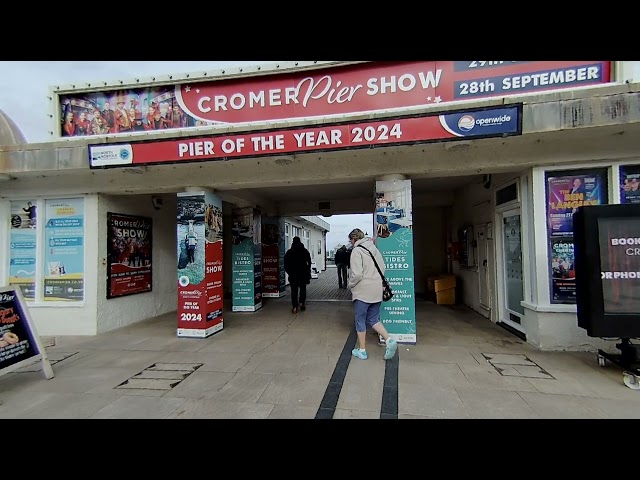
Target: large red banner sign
<point>357,88</point>
<point>467,124</point>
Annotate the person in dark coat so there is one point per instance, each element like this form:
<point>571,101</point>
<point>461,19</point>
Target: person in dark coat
<point>297,264</point>
<point>342,262</point>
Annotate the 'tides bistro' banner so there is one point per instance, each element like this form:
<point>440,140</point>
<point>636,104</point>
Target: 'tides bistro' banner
<point>394,239</point>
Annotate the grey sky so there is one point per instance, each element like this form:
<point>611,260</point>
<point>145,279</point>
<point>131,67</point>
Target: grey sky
<point>24,88</point>
<point>341,225</point>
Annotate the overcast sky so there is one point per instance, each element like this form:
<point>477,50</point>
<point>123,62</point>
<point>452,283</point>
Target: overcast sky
<point>24,88</point>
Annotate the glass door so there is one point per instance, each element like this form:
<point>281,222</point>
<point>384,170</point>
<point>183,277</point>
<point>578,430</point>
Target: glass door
<point>512,311</point>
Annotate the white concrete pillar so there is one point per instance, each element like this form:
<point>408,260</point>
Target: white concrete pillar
<point>391,177</point>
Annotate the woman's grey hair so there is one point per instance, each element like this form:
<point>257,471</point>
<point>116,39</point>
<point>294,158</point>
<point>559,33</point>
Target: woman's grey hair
<point>356,234</point>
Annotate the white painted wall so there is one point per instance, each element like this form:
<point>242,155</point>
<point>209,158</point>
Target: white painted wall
<point>629,72</point>
<point>429,244</point>
<point>119,312</point>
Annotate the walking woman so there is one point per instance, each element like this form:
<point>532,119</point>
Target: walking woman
<point>365,284</point>
<point>297,264</point>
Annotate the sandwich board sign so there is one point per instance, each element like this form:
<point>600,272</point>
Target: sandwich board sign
<point>19,342</point>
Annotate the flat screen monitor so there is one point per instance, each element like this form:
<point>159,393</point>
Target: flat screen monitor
<point>607,267</point>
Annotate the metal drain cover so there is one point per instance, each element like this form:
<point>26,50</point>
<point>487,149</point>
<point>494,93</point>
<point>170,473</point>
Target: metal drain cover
<point>516,365</point>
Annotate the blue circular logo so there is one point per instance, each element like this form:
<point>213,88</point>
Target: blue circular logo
<point>124,153</point>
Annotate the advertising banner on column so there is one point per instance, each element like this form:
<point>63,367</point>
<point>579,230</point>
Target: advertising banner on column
<point>64,252</point>
<point>247,294</point>
<point>394,239</point>
<point>200,295</point>
<point>257,260</point>
<point>22,247</point>
<point>272,257</point>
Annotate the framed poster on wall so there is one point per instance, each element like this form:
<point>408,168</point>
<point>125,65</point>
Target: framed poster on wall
<point>130,249</point>
<point>566,191</point>
<point>630,184</point>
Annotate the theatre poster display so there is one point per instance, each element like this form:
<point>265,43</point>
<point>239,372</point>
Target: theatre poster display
<point>130,244</point>
<point>566,192</point>
<point>630,184</point>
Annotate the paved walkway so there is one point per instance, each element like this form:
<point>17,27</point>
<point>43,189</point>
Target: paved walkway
<point>272,364</point>
<point>325,287</point>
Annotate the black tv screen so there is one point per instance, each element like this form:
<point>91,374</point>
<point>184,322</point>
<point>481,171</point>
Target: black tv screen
<point>619,242</point>
<point>607,264</point>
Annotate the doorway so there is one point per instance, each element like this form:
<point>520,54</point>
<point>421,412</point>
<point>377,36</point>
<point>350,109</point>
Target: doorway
<point>512,310</point>
<point>483,267</point>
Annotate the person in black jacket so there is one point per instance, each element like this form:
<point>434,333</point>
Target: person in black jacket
<point>297,264</point>
<point>342,262</point>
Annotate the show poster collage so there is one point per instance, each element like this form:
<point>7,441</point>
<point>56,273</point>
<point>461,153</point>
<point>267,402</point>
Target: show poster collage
<point>566,192</point>
<point>394,239</point>
<point>130,243</point>
<point>199,253</point>
<point>246,254</point>
<point>124,111</point>
<point>273,274</point>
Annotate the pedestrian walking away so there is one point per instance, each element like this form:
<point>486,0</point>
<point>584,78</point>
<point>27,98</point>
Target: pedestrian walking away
<point>366,291</point>
<point>297,264</point>
<point>342,262</point>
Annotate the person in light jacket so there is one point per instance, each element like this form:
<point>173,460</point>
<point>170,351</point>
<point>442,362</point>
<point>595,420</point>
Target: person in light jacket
<point>365,284</point>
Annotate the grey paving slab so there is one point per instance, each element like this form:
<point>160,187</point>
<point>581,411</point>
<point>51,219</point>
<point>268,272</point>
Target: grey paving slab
<point>273,363</point>
<point>361,396</point>
<point>293,412</point>
<point>209,408</point>
<point>113,359</point>
<point>318,366</point>
<point>562,407</point>
<point>496,404</point>
<point>294,390</point>
<point>431,373</point>
<point>67,406</point>
<point>200,384</point>
<point>618,409</point>
<point>404,416</point>
<point>563,384</point>
<point>487,377</point>
<point>430,401</point>
<point>139,407</point>
<point>341,414</point>
<point>246,387</point>
<point>437,353</point>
